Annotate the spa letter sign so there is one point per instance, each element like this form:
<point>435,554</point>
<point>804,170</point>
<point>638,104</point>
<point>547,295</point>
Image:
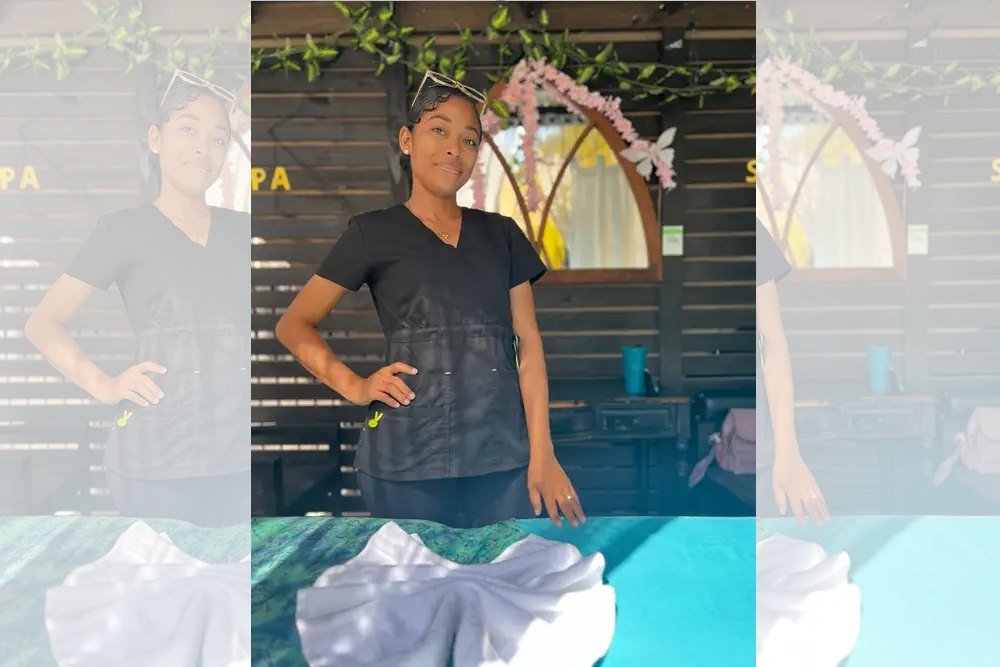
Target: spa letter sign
<point>269,180</point>
<point>18,178</point>
<point>751,177</point>
<point>995,178</point>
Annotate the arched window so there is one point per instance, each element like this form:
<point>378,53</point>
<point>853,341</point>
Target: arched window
<point>596,220</point>
<point>841,218</point>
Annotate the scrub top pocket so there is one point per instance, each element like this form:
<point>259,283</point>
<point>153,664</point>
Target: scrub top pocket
<point>161,436</point>
<point>396,441</point>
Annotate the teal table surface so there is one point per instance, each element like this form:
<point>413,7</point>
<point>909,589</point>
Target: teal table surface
<point>930,586</point>
<point>37,553</point>
<point>685,587</point>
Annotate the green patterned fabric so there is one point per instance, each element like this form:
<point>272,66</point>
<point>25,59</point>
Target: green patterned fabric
<point>762,531</point>
<point>290,554</point>
<point>37,553</point>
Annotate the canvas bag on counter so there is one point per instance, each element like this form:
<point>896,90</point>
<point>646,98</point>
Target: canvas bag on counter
<point>735,448</point>
<point>978,446</point>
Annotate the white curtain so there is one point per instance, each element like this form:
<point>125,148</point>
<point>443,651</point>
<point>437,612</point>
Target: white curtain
<point>847,223</point>
<point>606,231</point>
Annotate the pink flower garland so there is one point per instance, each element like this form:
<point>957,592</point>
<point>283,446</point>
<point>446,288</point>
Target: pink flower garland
<point>240,123</point>
<point>519,96</point>
<point>772,74</point>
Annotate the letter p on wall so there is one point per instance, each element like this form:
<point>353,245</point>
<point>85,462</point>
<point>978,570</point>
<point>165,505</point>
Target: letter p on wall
<point>29,178</point>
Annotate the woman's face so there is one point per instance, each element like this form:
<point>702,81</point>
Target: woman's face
<point>444,146</point>
<point>192,145</point>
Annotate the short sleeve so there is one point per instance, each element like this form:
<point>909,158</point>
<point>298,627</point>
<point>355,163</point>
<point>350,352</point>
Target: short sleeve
<point>98,260</point>
<point>771,264</point>
<point>347,262</point>
<point>525,265</point>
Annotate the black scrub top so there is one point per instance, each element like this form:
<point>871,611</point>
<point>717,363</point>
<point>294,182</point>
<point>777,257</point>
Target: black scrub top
<point>771,266</point>
<point>189,307</point>
<point>446,312</point>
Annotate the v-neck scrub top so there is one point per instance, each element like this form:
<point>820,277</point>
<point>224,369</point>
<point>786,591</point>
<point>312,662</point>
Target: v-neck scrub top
<point>445,311</point>
<point>189,307</point>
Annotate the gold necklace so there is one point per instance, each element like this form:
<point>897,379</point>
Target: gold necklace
<point>194,235</point>
<point>443,235</point>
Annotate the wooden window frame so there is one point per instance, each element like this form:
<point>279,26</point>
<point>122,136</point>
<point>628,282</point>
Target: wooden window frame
<point>890,204</point>
<point>640,191</point>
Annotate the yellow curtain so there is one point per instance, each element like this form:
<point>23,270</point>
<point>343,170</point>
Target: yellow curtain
<point>837,150</point>
<point>798,250</point>
<point>552,240</point>
<point>558,146</point>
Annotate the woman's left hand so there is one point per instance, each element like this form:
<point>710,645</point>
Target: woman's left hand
<point>548,481</point>
<point>795,486</point>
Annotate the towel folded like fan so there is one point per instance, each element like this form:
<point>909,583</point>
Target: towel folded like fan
<point>808,615</point>
<point>398,604</point>
<point>148,603</point>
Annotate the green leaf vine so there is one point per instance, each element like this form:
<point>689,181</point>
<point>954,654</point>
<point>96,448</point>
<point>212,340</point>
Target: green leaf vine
<point>849,67</point>
<point>377,33</point>
<point>120,27</point>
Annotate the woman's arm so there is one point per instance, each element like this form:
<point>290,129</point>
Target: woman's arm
<point>46,330</point>
<point>547,481</point>
<point>296,330</point>
<point>533,377</point>
<point>792,482</point>
<point>777,371</point>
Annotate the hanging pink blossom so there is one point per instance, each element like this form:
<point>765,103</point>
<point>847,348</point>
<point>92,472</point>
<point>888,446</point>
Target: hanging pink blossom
<point>478,187</point>
<point>772,74</point>
<point>240,123</point>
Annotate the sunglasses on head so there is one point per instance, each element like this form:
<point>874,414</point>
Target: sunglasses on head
<point>188,78</point>
<point>442,80</point>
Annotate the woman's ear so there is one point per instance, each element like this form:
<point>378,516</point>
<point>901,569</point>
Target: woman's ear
<point>405,140</point>
<point>153,138</point>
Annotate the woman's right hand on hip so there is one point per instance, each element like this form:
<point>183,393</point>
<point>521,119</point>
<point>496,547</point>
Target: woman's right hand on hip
<point>384,386</point>
<point>133,385</point>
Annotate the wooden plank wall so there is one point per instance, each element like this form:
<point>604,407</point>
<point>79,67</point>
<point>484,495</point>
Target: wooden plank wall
<point>960,155</point>
<point>332,137</point>
<point>716,209</point>
<point>80,135</point>
<point>943,320</point>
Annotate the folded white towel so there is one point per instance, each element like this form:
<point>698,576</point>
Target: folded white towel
<point>808,615</point>
<point>148,603</point>
<point>398,604</point>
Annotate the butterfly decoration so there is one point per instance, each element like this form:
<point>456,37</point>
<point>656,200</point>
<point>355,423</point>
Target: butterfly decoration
<point>645,159</point>
<point>905,151</point>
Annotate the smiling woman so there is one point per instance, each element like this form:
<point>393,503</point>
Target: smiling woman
<point>462,438</point>
<point>177,448</point>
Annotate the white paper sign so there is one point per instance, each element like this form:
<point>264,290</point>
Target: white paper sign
<point>917,240</point>
<point>673,241</point>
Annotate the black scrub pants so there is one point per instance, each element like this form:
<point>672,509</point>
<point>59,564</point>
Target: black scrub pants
<point>205,501</point>
<point>766,507</point>
<point>458,502</point>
